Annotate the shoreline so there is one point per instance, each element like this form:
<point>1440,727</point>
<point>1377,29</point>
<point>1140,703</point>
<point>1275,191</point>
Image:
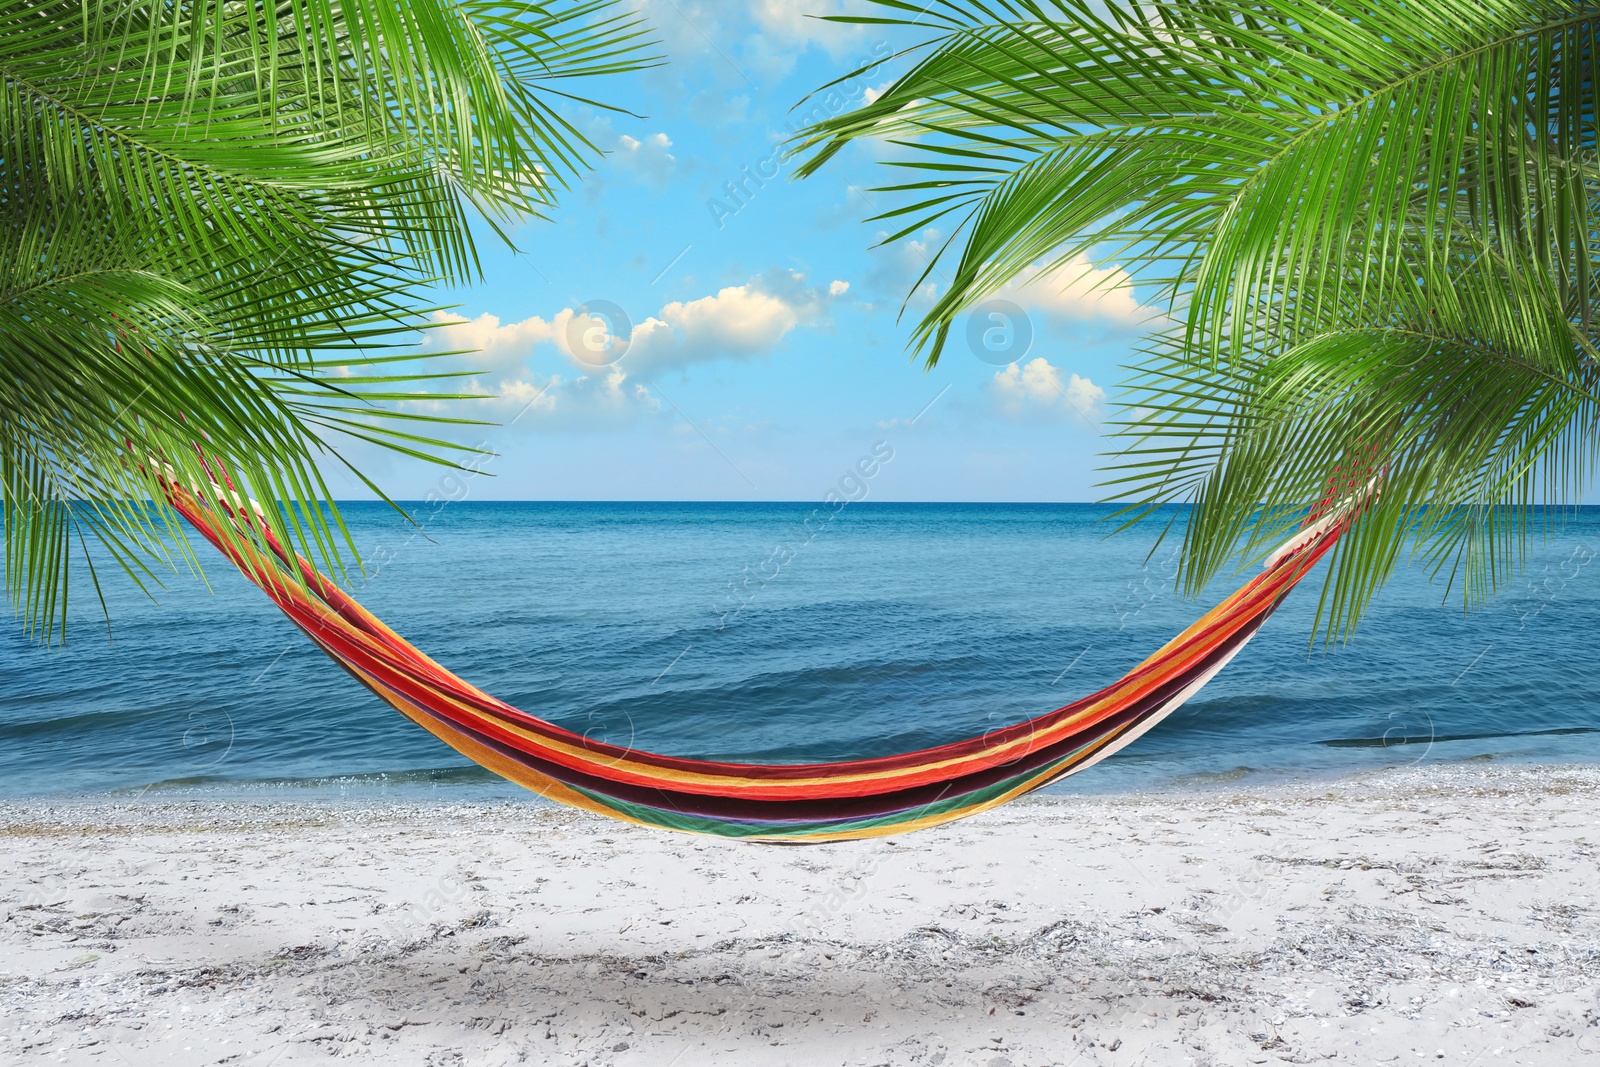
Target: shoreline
<point>472,785</point>
<point>1397,915</point>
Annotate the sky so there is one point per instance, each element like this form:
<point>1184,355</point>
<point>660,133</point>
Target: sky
<point>693,323</point>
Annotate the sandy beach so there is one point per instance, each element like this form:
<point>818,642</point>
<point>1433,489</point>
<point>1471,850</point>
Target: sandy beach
<point>1435,914</point>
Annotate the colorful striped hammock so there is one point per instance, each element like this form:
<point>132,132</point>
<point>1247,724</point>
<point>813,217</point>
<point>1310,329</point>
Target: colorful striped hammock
<point>761,802</point>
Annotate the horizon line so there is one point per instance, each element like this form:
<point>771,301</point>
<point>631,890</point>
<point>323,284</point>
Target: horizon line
<point>686,500</point>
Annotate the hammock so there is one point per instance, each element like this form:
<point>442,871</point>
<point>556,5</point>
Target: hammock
<point>764,802</point>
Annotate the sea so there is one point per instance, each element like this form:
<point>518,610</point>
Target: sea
<point>787,632</point>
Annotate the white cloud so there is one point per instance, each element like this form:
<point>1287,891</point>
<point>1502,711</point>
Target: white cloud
<point>531,401</point>
<point>793,24</point>
<point>526,400</point>
<point>501,346</point>
<point>1078,290</point>
<point>898,266</point>
<point>496,345</point>
<point>695,33</point>
<point>1037,389</point>
<point>739,44</point>
<point>651,160</point>
<point>737,322</point>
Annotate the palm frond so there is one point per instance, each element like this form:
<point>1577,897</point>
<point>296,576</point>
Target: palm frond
<point>1374,222</point>
<point>213,212</point>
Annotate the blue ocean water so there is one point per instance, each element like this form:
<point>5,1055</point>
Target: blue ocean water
<point>735,631</point>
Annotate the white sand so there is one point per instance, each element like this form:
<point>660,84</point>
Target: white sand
<point>1432,915</point>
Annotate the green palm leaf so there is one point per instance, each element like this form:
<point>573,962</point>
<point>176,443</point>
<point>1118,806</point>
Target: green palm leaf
<point>218,216</point>
<point>1373,222</point>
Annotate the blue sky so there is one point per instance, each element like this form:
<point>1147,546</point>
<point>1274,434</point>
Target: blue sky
<point>764,357</point>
